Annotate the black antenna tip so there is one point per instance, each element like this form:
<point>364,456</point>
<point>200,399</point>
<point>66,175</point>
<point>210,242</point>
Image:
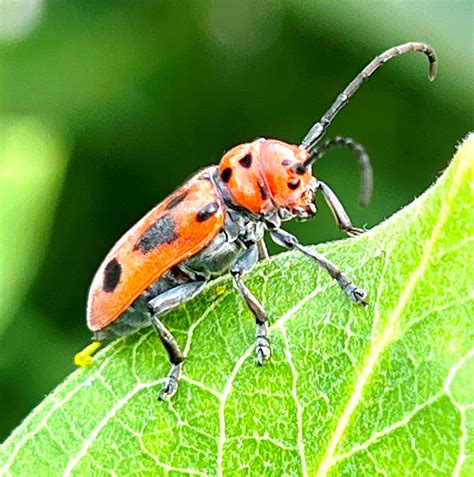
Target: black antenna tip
<point>431,54</point>
<point>433,70</point>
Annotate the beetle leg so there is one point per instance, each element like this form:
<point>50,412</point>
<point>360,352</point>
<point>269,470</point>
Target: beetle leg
<point>262,249</point>
<point>243,264</point>
<point>262,344</point>
<point>176,357</point>
<point>342,219</point>
<point>159,306</point>
<point>285,239</point>
<point>164,302</point>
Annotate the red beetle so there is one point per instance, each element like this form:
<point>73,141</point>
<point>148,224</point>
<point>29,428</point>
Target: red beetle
<point>215,224</point>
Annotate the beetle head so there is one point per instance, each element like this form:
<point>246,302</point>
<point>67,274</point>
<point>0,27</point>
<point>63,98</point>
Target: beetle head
<point>267,176</point>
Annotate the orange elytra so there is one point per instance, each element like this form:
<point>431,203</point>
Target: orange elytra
<point>166,236</point>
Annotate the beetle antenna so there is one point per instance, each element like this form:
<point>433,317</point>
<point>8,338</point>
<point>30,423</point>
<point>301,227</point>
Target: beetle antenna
<point>363,160</point>
<point>317,131</point>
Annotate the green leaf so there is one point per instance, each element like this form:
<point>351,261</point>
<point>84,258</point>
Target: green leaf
<point>349,391</point>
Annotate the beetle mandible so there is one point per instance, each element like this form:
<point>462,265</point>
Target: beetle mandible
<point>158,264</point>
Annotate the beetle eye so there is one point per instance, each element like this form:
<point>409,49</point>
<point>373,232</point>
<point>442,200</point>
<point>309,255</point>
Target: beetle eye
<point>299,169</point>
<point>293,184</point>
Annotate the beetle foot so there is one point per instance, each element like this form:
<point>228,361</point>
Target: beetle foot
<point>356,294</point>
<point>262,347</point>
<point>172,384</point>
<point>355,231</point>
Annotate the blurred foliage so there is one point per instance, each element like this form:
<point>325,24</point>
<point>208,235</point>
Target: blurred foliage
<point>28,193</point>
<point>135,96</point>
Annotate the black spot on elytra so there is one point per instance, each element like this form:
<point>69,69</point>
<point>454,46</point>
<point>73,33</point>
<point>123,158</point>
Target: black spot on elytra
<point>293,184</point>
<point>112,274</point>
<point>161,232</point>
<point>226,174</point>
<point>285,162</point>
<point>246,161</point>
<point>207,212</point>
<point>263,190</point>
<point>177,199</point>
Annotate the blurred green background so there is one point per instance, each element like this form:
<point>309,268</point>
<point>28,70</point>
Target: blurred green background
<point>106,107</point>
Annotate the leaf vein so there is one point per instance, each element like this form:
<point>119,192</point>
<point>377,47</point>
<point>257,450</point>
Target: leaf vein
<point>388,333</point>
<point>105,420</point>
<point>57,404</point>
<point>299,407</point>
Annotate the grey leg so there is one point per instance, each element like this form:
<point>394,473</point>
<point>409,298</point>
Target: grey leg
<point>159,306</point>
<point>262,250</point>
<point>287,240</point>
<point>175,355</point>
<point>242,265</point>
<point>342,219</point>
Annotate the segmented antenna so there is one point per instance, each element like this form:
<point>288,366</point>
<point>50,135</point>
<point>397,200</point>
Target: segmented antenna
<point>318,130</point>
<point>363,160</point>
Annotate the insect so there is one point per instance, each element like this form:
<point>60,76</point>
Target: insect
<point>215,223</point>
